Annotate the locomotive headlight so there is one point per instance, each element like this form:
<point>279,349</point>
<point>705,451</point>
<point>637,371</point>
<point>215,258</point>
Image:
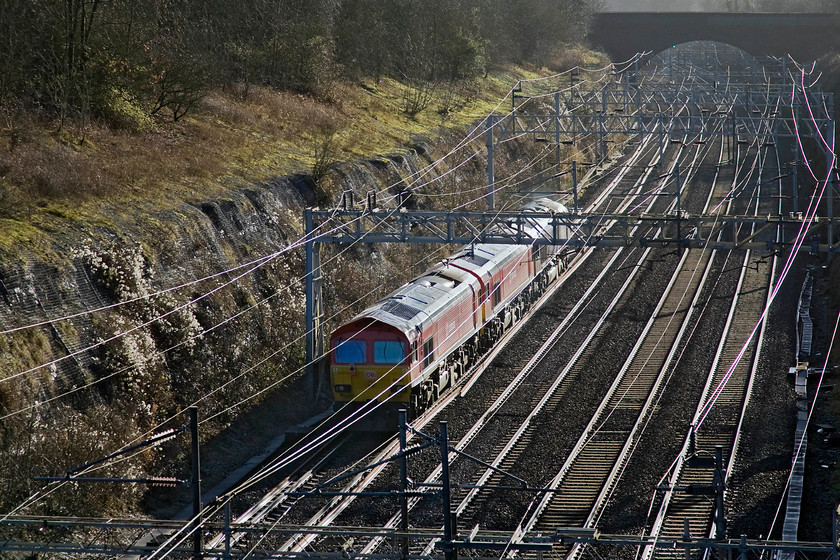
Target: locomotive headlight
<point>343,388</point>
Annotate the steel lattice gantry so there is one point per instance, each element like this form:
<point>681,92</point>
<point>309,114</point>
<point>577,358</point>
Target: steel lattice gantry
<point>576,230</point>
<point>118,537</point>
<point>730,106</point>
<point>567,230</point>
<point>742,113</point>
<point>721,106</point>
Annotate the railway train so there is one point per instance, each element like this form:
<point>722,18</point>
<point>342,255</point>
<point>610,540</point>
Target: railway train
<point>410,347</point>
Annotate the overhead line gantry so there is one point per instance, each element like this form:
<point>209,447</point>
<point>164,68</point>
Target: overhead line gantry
<point>729,105</point>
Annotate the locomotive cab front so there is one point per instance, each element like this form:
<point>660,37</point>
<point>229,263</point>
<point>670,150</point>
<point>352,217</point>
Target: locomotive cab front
<point>370,360</point>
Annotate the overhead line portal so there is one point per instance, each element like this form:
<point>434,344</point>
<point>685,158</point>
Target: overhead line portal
<point>574,230</point>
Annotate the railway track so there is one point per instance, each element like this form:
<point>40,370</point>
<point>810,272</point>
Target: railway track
<point>521,437</point>
<point>587,477</point>
<point>752,284</point>
<point>592,467</point>
<point>708,452</point>
<point>682,511</point>
<point>324,515</point>
<point>275,503</point>
<point>574,507</point>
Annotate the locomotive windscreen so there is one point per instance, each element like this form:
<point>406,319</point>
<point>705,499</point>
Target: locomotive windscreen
<point>349,351</point>
<point>388,351</point>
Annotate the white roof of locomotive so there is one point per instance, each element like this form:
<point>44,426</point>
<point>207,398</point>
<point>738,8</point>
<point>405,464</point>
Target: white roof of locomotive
<point>419,300</point>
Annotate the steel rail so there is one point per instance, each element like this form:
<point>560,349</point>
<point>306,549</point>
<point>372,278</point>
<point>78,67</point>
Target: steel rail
<point>598,456</point>
<point>340,506</point>
<point>750,298</point>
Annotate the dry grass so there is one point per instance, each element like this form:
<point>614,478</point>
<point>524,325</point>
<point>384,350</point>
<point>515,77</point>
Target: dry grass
<point>85,173</point>
<point>575,55</point>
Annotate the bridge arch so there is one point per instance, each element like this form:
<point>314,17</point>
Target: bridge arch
<point>805,36</point>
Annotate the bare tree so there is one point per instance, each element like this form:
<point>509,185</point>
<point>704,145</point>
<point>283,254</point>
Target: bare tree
<point>78,25</point>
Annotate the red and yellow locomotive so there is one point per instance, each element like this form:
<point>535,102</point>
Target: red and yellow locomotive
<point>408,348</point>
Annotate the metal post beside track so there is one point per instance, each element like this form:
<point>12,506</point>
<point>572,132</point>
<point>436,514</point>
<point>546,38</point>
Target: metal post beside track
<point>196,483</point>
<point>314,336</point>
<point>448,533</point>
<point>403,484</point>
<point>491,121</point>
<point>831,163</point>
<point>227,532</point>
<point>557,144</point>
<point>718,483</point>
<point>679,207</point>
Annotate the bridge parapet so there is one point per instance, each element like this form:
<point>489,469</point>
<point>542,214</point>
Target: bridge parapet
<point>805,36</point>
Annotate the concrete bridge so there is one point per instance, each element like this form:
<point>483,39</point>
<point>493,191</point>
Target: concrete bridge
<point>805,36</point>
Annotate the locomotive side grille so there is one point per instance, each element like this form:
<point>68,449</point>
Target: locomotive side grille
<point>476,260</point>
<point>400,310</point>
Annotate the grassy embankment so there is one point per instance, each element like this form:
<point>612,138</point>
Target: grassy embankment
<point>60,185</point>
<point>51,180</point>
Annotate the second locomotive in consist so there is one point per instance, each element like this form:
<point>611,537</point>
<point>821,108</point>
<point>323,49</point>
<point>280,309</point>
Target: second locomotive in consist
<point>415,343</point>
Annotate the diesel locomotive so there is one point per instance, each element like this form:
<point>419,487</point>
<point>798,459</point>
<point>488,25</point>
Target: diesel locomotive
<point>407,349</point>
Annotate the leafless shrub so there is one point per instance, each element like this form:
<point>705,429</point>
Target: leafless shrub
<point>326,152</point>
<point>15,123</point>
<point>178,94</point>
<point>416,96</point>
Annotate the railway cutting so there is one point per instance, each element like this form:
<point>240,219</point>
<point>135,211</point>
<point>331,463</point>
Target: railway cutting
<point>575,379</point>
